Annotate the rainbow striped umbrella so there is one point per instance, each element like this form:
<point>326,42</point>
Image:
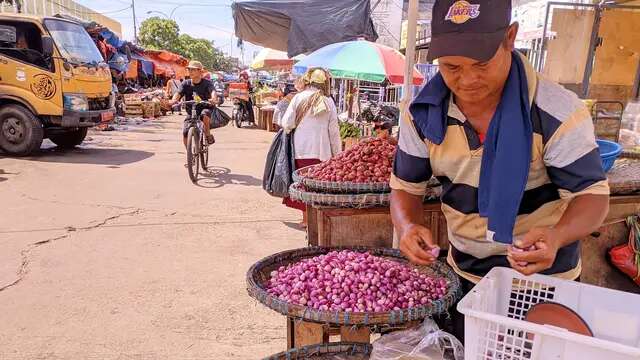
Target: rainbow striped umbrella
<point>359,60</point>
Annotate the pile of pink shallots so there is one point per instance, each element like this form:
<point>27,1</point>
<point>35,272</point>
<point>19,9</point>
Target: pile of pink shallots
<point>352,281</point>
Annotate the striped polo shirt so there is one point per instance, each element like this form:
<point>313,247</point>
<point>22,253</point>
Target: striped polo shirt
<point>565,163</point>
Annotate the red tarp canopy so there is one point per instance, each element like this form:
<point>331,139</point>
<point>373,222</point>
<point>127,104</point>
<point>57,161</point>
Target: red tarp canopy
<point>167,63</point>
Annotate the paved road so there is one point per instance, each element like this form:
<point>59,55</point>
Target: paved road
<point>109,251</point>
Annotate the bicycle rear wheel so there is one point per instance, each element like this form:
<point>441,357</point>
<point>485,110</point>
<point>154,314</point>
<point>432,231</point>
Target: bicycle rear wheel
<point>237,118</point>
<point>204,153</point>
<point>193,153</point>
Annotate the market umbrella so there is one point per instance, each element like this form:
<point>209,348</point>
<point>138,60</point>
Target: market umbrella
<point>359,60</point>
<point>271,59</point>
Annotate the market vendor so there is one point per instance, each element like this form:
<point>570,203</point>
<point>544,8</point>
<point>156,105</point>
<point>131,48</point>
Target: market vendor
<point>522,180</point>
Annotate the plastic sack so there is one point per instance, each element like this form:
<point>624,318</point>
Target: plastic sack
<point>629,138</point>
<point>219,118</point>
<point>279,166</point>
<point>626,257</point>
<point>426,342</point>
<point>631,117</point>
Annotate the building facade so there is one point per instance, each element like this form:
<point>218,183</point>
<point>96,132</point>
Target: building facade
<point>63,7</point>
<point>387,20</point>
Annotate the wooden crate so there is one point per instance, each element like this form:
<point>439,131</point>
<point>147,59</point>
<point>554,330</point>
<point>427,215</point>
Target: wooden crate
<point>133,105</point>
<point>132,99</point>
<point>265,118</point>
<point>150,109</point>
<point>303,333</point>
<point>350,142</point>
<point>134,111</point>
<point>366,227</point>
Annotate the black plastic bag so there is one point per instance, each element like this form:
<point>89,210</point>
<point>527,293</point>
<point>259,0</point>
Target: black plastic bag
<point>219,118</point>
<point>280,164</point>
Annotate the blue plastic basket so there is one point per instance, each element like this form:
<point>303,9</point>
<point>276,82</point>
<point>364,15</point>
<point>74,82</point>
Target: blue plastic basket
<point>609,152</point>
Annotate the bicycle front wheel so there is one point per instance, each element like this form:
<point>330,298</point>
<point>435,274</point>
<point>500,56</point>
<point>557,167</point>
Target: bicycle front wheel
<point>204,153</point>
<point>193,153</point>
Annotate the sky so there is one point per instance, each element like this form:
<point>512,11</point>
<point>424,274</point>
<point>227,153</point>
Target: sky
<point>209,19</point>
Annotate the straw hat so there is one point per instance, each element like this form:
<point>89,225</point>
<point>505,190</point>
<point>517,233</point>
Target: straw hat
<point>193,64</point>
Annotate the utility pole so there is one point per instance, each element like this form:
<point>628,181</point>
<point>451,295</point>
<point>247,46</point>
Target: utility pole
<point>135,25</point>
<point>410,51</point>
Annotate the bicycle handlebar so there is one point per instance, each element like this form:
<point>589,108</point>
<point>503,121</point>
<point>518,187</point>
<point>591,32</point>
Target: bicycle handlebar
<point>193,102</point>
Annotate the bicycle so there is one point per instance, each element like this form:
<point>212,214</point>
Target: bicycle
<point>197,145</point>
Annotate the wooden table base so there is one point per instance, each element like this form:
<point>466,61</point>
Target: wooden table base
<point>303,333</point>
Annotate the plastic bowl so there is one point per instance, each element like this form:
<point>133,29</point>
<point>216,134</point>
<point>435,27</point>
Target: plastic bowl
<point>609,152</point>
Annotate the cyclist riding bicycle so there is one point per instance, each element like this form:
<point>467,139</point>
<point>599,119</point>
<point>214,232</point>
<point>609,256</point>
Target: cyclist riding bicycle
<point>197,87</point>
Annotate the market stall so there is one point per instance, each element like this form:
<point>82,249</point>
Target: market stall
<point>348,199</point>
<point>273,60</point>
<point>337,210</point>
<point>363,72</point>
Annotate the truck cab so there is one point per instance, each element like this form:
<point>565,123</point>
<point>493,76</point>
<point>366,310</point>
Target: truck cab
<point>54,83</point>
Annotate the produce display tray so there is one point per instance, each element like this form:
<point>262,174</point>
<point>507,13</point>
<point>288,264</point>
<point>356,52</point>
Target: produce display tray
<point>299,192</point>
<point>260,273</point>
<point>349,187</point>
<point>331,351</point>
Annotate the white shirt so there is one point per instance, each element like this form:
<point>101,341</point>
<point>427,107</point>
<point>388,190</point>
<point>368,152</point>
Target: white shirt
<point>174,86</point>
<point>317,137</point>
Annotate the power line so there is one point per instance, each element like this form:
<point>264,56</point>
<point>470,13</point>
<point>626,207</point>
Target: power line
<point>187,4</point>
<point>218,28</point>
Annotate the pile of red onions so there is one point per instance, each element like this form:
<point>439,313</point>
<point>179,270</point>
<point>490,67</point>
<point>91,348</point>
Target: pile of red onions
<point>354,282</point>
<point>368,161</point>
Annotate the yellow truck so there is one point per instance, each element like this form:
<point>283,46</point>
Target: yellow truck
<point>54,83</point>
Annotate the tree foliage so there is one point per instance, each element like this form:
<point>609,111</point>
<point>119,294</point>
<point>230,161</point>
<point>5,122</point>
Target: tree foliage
<point>159,34</point>
<point>164,34</point>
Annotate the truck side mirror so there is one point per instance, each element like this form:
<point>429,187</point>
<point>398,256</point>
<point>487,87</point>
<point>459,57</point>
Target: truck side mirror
<point>47,46</point>
<point>7,34</point>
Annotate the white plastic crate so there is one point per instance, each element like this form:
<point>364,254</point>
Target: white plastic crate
<point>494,327</point>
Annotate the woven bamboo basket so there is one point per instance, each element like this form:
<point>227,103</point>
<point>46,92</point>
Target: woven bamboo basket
<point>339,187</point>
<point>332,351</point>
<point>357,201</point>
<point>259,274</point>
<point>624,177</point>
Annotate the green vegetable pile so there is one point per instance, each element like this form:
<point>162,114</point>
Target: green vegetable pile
<point>349,130</point>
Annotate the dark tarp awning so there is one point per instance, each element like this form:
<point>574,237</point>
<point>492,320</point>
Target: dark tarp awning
<point>302,26</point>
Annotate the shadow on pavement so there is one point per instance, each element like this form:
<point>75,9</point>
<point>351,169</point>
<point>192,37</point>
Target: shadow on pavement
<point>294,225</point>
<point>217,176</point>
<point>90,156</point>
<point>2,172</point>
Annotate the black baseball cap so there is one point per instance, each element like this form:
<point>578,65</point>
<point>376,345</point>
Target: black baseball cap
<point>469,28</point>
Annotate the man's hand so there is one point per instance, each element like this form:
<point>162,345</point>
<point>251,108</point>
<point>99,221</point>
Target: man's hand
<point>546,241</point>
<point>414,237</point>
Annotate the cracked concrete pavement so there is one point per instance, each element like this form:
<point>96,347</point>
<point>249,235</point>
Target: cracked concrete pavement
<point>109,251</point>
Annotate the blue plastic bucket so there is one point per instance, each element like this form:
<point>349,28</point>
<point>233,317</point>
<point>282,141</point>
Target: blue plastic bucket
<point>609,152</point>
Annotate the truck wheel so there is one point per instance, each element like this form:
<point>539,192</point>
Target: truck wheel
<point>21,132</point>
<point>71,139</point>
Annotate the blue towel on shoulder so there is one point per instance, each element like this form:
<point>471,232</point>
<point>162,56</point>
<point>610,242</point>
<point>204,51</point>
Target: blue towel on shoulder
<point>507,149</point>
